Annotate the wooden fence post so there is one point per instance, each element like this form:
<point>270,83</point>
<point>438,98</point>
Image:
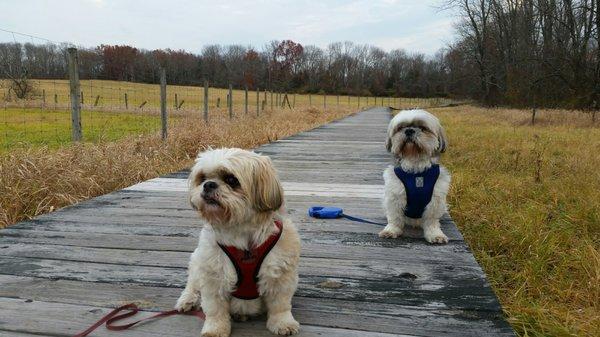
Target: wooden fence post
<point>294,102</point>
<point>358,104</point>
<point>257,102</point>
<point>126,102</point>
<point>271,100</point>
<point>176,102</point>
<point>206,101</point>
<point>324,101</point>
<point>246,100</point>
<point>163,102</point>
<point>338,101</point>
<point>43,98</point>
<point>76,133</point>
<point>230,101</point>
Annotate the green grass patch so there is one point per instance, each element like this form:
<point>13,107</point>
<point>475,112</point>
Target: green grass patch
<point>33,126</point>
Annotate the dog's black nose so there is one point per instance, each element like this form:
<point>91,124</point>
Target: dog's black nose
<point>210,185</point>
<point>409,132</point>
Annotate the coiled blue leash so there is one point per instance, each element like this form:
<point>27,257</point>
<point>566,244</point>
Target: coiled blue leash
<point>329,212</point>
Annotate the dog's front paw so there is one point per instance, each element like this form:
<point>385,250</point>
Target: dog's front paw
<point>390,232</point>
<point>437,237</point>
<point>216,328</point>
<point>187,301</point>
<point>283,324</point>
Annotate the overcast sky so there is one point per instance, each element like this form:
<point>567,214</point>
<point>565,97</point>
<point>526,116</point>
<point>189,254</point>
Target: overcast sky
<point>416,26</point>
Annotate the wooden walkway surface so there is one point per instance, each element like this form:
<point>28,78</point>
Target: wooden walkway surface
<point>62,271</point>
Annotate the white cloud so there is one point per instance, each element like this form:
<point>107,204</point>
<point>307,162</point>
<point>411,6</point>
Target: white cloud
<point>427,39</point>
<point>181,24</point>
<point>97,3</point>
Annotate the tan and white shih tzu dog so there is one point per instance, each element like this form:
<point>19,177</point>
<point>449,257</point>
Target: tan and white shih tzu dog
<point>246,262</point>
<point>416,187</point>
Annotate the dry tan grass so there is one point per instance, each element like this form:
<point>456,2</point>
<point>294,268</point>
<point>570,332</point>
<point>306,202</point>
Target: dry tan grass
<point>527,199</point>
<point>543,117</point>
<point>36,181</point>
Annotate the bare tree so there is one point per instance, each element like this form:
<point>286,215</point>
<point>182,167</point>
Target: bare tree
<point>13,69</point>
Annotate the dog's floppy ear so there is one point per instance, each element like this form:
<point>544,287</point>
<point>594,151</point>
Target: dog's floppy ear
<point>442,140</point>
<point>388,144</point>
<point>267,190</point>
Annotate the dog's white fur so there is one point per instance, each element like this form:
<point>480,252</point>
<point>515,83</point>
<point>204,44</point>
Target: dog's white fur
<point>244,216</point>
<point>416,155</point>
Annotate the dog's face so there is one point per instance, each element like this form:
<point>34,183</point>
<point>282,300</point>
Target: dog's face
<point>234,186</point>
<point>415,134</point>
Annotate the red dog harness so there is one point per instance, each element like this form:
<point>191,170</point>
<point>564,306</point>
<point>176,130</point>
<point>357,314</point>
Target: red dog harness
<point>247,264</point>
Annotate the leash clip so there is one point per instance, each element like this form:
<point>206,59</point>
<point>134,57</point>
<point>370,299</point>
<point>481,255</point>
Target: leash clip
<point>321,212</point>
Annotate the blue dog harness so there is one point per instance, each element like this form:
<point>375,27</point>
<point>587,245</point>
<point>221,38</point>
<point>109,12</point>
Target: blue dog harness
<point>419,189</point>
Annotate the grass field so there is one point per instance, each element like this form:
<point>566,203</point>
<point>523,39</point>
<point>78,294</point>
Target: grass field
<point>34,127</point>
<point>110,95</point>
<point>527,199</point>
<point>112,110</point>
<point>38,179</point>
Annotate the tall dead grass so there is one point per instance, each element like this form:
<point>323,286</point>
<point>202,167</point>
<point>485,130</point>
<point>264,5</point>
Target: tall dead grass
<point>36,181</point>
<point>527,199</point>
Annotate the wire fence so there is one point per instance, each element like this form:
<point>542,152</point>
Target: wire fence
<point>39,112</point>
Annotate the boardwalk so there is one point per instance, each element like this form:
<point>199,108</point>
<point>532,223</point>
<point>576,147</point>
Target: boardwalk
<point>62,271</point>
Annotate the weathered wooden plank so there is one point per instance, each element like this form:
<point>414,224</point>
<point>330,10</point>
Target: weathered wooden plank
<point>451,254</point>
<point>332,141</point>
<point>164,200</point>
<point>17,334</point>
<point>350,266</point>
<point>58,319</point>
<point>173,242</point>
<point>126,222</point>
<point>320,312</point>
<point>314,189</point>
<point>406,288</point>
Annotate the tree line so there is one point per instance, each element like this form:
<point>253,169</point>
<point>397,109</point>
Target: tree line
<point>540,53</point>
<point>341,68</point>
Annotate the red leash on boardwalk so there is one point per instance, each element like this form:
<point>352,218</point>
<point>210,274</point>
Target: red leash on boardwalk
<point>133,309</point>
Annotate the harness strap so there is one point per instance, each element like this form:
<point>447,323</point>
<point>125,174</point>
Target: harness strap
<point>419,189</point>
<point>112,317</point>
<point>247,264</point>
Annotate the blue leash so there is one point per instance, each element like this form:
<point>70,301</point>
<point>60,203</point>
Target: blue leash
<point>321,212</point>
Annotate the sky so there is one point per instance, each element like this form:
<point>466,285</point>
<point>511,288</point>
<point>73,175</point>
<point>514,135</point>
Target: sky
<point>415,26</point>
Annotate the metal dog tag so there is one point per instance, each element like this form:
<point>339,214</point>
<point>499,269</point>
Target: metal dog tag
<point>419,181</point>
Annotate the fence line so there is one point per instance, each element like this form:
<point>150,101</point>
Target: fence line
<point>55,112</point>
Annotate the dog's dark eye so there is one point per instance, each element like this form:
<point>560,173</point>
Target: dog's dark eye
<point>231,180</point>
<point>199,179</point>
<point>422,128</point>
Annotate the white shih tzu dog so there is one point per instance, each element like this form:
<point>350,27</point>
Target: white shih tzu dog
<point>416,188</point>
<point>247,255</point>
